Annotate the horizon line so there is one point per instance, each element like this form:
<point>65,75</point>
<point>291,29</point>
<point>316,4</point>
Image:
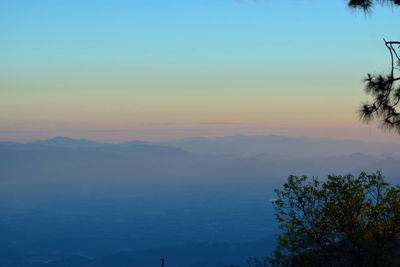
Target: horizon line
<point>199,137</point>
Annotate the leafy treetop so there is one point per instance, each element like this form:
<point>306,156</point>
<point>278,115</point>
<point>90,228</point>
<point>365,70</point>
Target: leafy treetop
<point>343,221</point>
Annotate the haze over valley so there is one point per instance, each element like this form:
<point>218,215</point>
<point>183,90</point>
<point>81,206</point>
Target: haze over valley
<point>209,197</point>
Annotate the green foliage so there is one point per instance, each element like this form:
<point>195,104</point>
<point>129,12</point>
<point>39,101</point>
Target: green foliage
<point>344,221</point>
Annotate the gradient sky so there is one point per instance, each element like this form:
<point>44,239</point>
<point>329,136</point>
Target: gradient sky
<point>158,70</point>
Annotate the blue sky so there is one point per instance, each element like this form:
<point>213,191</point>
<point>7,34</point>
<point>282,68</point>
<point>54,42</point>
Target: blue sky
<point>81,67</point>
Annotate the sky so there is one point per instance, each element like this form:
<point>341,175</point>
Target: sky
<point>159,70</point>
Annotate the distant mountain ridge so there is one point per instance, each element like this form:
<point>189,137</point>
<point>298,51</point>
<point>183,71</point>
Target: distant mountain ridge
<point>61,141</point>
<point>246,145</point>
<point>198,158</point>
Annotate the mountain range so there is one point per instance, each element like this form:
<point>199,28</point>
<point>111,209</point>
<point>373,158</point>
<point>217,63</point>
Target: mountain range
<point>69,202</point>
<point>243,145</point>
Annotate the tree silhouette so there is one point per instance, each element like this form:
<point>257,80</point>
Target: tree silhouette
<point>344,221</point>
<point>367,5</point>
<point>384,88</point>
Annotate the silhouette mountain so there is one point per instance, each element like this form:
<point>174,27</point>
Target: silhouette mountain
<point>61,141</point>
<point>225,159</point>
<point>244,145</point>
<point>247,145</point>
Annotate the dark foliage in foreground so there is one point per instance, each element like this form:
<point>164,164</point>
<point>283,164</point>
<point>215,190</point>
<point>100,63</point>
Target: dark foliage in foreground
<point>344,221</point>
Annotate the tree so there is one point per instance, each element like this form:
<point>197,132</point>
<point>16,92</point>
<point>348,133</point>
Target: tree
<point>366,5</point>
<point>384,88</point>
<point>344,221</point>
